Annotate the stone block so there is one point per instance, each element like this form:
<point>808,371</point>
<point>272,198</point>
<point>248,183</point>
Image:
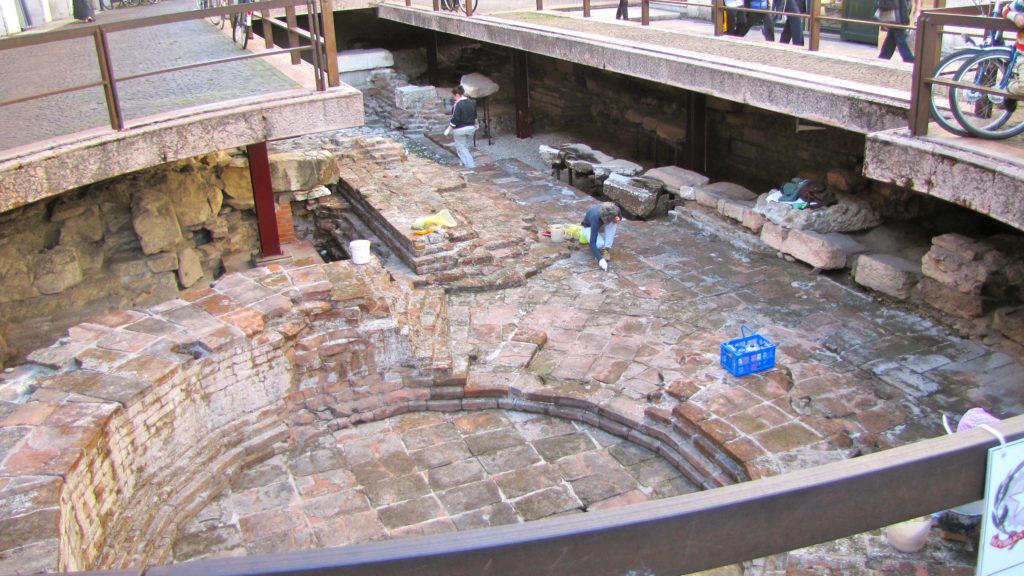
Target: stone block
<point>675,179</point>
<point>774,235</point>
<point>57,270</point>
<point>190,267</point>
<point>617,166</point>
<point>848,214</point>
<point>710,194</point>
<point>950,300</point>
<point>844,180</point>
<point>961,263</point>
<point>416,97</point>
<point>478,86</point>
<point>550,155</point>
<point>635,200</point>
<point>888,274</point>
<point>155,222</point>
<point>238,185</point>
<point>162,262</point>
<point>734,209</point>
<point>824,251</point>
<point>365,59</point>
<point>299,170</point>
<point>188,193</point>
<point>753,221</point>
<point>1010,323</point>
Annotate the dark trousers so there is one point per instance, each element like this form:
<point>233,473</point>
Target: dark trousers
<point>793,29</point>
<point>767,25</point>
<point>623,11</point>
<point>896,38</point>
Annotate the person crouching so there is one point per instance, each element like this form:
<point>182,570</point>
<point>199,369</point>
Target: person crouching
<point>599,225</point>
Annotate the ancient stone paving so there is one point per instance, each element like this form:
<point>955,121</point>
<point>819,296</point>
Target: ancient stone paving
<point>425,473</point>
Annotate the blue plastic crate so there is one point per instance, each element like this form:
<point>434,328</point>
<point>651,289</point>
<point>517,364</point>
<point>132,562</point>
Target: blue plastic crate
<point>749,354</point>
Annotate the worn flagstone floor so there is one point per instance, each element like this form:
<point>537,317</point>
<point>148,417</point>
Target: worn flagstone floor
<point>854,375</point>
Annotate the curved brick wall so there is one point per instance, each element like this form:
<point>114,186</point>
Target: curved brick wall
<point>137,419</point>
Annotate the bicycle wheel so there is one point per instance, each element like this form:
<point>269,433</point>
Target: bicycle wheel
<point>985,115</point>
<point>942,96</point>
<point>240,29</point>
<point>217,20</point>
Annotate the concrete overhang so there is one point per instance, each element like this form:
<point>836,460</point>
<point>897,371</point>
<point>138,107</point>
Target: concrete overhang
<point>851,106</point>
<point>48,168</point>
<point>987,179</point>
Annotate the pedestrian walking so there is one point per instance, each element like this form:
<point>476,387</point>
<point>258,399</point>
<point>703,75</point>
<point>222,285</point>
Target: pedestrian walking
<point>599,225</point>
<point>83,10</point>
<point>793,29</point>
<point>767,23</point>
<point>623,12</point>
<point>463,125</point>
<point>896,38</point>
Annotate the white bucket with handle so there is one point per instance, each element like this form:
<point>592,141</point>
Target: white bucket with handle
<point>360,251</point>
<point>557,233</point>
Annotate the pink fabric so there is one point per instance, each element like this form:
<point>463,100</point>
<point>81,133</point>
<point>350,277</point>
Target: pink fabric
<point>974,418</point>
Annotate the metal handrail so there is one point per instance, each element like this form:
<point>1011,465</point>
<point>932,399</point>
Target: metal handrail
<point>928,47</point>
<point>321,46</point>
<point>676,535</point>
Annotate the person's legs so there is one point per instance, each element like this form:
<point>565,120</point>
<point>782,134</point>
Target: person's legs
<point>767,28</point>
<point>463,141</point>
<point>607,238</point>
<point>903,46</point>
<point>888,45</point>
<point>623,10</point>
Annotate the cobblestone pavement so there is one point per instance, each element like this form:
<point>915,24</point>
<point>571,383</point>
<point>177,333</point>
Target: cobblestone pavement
<point>58,65</point>
<point>426,473</point>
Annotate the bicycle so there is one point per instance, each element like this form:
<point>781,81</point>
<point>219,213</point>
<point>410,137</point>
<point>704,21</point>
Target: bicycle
<point>216,20</point>
<point>943,98</point>
<point>241,26</point>
<point>982,113</point>
<point>456,5</point>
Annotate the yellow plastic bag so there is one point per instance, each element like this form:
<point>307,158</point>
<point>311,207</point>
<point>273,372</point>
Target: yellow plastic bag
<point>575,231</point>
<point>442,218</point>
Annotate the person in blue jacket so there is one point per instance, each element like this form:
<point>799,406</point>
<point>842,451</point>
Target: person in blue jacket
<point>599,225</point>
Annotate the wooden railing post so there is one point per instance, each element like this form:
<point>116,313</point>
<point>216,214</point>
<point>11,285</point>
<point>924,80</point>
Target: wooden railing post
<point>718,9</point>
<point>268,29</point>
<point>814,25</point>
<point>926,50</point>
<point>293,37</point>
<point>107,75</point>
<point>330,42</point>
<point>540,4</point>
<point>586,8</point>
<point>645,12</point>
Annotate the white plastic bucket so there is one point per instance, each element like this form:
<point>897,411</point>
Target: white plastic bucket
<point>557,232</point>
<point>360,251</point>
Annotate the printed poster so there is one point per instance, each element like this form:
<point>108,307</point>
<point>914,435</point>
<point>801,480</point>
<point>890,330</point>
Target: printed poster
<point>1002,531</point>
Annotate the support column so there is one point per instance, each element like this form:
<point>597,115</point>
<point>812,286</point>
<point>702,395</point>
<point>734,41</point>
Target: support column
<point>695,156</point>
<point>263,196</point>
<point>432,73</point>
<point>521,79</point>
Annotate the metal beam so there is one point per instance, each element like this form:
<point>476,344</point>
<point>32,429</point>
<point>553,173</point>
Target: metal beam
<point>676,535</point>
<point>521,79</point>
<point>263,195</point>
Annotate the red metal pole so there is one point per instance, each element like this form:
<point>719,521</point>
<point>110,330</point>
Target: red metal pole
<point>263,195</point>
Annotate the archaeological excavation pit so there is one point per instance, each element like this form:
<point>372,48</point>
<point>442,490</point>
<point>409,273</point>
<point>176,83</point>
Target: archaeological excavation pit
<point>311,406</point>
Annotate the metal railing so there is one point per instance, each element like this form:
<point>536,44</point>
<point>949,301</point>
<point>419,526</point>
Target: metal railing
<point>813,17</point>
<point>676,535</point>
<point>931,29</point>
<point>320,44</point>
